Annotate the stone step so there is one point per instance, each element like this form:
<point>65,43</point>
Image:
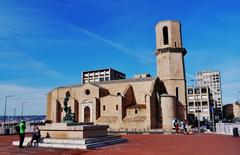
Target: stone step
<point>77,145</point>
<point>83,146</point>
<point>74,141</point>
<point>105,143</point>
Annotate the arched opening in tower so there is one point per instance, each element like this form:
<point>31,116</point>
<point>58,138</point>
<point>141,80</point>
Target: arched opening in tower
<point>165,35</point>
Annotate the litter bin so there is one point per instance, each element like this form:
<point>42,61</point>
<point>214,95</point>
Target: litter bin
<point>235,132</point>
<point>6,131</point>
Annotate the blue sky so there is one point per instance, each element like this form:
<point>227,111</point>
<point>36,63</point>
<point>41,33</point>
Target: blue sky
<point>48,43</point>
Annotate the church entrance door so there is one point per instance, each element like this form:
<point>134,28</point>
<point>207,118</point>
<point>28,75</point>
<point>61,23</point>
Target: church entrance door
<point>86,114</point>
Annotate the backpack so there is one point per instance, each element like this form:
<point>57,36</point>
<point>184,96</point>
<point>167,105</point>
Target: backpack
<point>17,128</point>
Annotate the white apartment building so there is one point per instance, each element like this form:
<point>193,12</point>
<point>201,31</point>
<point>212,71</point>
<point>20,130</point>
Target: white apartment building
<point>198,102</point>
<point>211,79</point>
<point>102,75</point>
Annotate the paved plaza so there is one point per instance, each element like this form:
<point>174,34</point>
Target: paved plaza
<point>203,144</point>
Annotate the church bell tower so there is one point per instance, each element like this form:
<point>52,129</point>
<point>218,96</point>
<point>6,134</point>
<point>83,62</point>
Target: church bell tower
<point>170,62</point>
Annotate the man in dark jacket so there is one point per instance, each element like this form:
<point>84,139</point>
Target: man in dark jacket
<point>22,127</point>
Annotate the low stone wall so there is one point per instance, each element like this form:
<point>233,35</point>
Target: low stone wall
<point>227,128</point>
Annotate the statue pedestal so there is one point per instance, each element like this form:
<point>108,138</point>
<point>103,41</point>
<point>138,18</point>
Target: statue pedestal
<point>74,136</point>
<point>73,130</point>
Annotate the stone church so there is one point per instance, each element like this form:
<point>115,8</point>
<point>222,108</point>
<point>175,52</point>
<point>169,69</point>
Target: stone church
<point>138,103</point>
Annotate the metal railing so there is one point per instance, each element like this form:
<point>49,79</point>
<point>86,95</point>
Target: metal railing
<point>10,129</point>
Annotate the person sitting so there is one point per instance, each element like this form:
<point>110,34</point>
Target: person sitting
<point>35,135</point>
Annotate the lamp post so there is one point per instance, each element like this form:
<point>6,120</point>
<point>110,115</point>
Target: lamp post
<point>5,108</point>
<point>14,114</point>
<point>239,99</point>
<point>22,108</point>
<point>198,115</point>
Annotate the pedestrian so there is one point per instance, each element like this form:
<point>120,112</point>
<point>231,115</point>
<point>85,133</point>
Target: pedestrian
<point>181,127</point>
<point>22,128</point>
<point>176,125</point>
<point>35,135</point>
<point>185,127</point>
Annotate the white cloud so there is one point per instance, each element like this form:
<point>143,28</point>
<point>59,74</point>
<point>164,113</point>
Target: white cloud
<point>111,43</point>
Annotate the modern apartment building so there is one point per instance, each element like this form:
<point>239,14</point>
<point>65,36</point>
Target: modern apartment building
<point>211,79</point>
<point>102,75</point>
<point>198,102</point>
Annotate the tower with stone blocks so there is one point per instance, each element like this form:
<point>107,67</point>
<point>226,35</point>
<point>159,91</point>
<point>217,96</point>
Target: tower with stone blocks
<point>170,62</point>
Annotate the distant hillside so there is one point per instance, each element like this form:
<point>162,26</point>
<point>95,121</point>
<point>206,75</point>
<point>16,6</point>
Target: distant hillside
<point>28,118</point>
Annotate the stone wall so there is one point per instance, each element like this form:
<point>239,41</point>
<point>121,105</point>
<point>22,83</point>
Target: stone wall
<point>227,128</point>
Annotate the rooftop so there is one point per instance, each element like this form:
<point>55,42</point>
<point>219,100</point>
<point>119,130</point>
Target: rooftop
<point>115,81</point>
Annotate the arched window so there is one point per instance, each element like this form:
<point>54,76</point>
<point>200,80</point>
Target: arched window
<point>104,107</point>
<point>58,112</point>
<point>76,110</point>
<point>165,35</point>
<point>177,93</point>
<point>86,114</point>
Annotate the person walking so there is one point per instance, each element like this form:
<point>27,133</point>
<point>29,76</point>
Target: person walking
<point>22,128</point>
<point>185,127</point>
<point>176,125</point>
<point>181,126</point>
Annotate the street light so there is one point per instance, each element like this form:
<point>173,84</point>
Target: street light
<point>14,114</point>
<point>238,99</point>
<point>22,108</point>
<point>5,108</point>
<point>197,104</point>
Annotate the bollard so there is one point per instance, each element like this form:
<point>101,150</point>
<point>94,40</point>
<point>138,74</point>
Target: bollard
<point>6,131</point>
<point>235,132</point>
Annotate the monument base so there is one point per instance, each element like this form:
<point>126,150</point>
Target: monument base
<point>73,130</point>
<point>86,143</point>
<point>74,135</point>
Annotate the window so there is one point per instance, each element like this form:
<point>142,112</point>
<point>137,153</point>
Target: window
<point>205,109</point>
<point>197,103</point>
<point>104,108</point>
<point>96,80</point>
<point>204,90</point>
<point>177,93</point>
<point>165,35</point>
<point>191,104</point>
<point>190,97</point>
<point>136,111</point>
<point>118,93</point>
<point>116,107</point>
<point>190,91</point>
<point>197,91</point>
<point>204,97</point>
<point>204,103</point>
<point>191,110</point>
<point>198,110</point>
<point>87,92</point>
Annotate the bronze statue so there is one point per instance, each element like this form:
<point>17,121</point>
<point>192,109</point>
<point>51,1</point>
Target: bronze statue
<point>69,117</point>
